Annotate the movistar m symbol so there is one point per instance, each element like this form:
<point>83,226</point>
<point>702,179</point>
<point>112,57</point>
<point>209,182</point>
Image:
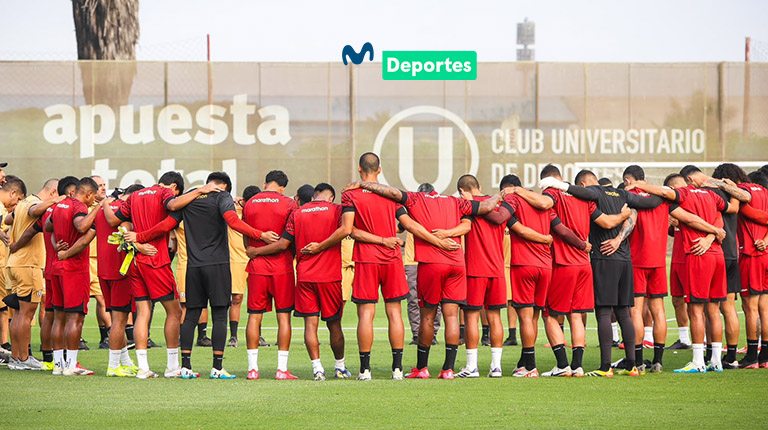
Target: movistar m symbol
<point>357,57</point>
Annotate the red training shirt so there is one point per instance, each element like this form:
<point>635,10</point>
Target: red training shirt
<point>269,211</point>
<point>315,222</point>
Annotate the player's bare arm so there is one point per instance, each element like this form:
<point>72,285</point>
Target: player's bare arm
<point>488,205</point>
<point>145,248</point>
<point>608,247</point>
<point>614,220</point>
<point>663,192</point>
<point>538,201</point>
<point>367,237</point>
<point>569,237</point>
<point>273,248</point>
<point>79,245</point>
<point>419,231</point>
<point>459,230</point>
<point>110,216</point>
<point>37,210</point>
<point>380,189</point>
<point>530,234</point>
<point>181,201</point>
<point>702,244</point>
<point>753,214</point>
<point>695,222</point>
<point>344,230</point>
<point>729,187</point>
<point>23,240</point>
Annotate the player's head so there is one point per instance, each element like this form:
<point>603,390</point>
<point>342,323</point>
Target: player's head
<point>550,170</point>
<point>693,175</point>
<point>324,192</point>
<point>763,169</point>
<point>102,187</point>
<point>632,174</point>
<point>605,182</point>
<point>276,180</point>
<point>585,178</point>
<point>426,188</point>
<point>172,180</point>
<point>674,180</point>
<point>730,171</point>
<point>221,179</point>
<point>304,194</point>
<point>759,178</point>
<point>86,191</point>
<point>469,184</point>
<point>12,191</point>
<point>130,190</point>
<point>249,192</point>
<point>369,165</point>
<point>510,181</point>
<point>50,189</point>
<point>67,186</point>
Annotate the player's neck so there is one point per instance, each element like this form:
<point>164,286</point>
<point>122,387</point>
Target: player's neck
<point>369,178</point>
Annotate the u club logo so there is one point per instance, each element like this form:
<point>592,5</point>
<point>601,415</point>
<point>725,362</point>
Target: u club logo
<point>445,150</point>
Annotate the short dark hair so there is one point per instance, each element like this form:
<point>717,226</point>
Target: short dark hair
<point>671,177</point>
<point>688,171</point>
<point>467,182</point>
<point>14,183</point>
<point>132,189</point>
<point>605,182</point>
<point>322,186</point>
<point>277,176</point>
<point>65,183</point>
<point>169,178</point>
<point>730,171</point>
<point>250,191</point>
<point>510,181</point>
<point>220,178</point>
<point>635,172</point>
<point>549,170</point>
<point>585,173</point>
<point>306,192</point>
<point>87,184</point>
<point>369,162</point>
<point>426,188</point>
<point>764,169</point>
<point>759,178</point>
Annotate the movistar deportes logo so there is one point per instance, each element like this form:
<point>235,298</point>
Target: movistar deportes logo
<point>357,57</point>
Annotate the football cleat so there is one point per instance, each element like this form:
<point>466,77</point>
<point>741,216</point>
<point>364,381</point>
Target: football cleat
<point>232,343</point>
<point>204,341</point>
<point>577,373</point>
<point>468,373</point>
<point>48,365</point>
<point>83,345</point>
<point>558,372</point>
<point>730,366</point>
<point>679,345</point>
<point>742,350</point>
<point>656,368</point>
<point>185,373</point>
<point>742,365</point>
<point>104,344</point>
<point>365,375</point>
<point>57,371</point>
<point>172,373</point>
<point>647,344</point>
<point>284,375</point>
<point>619,364</point>
<point>494,373</point>
<point>119,372</point>
<point>253,375</point>
<point>222,374</point>
<point>263,342</point>
<point>525,373</point>
<point>77,371</point>
<point>691,368</point>
<point>615,344</point>
<point>601,373</point>
<point>13,364</point>
<point>630,372</point>
<point>414,341</point>
<point>642,368</point>
<point>133,369</point>
<point>511,341</point>
<point>341,373</point>
<point>31,363</point>
<point>446,374</point>
<point>485,341</point>
<point>397,375</point>
<point>319,376</point>
<point>146,374</point>
<point>151,344</point>
<point>715,367</point>
<point>418,373</point>
<point>621,345</point>
<point>764,365</point>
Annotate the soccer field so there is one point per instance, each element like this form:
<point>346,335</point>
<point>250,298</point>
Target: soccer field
<point>39,400</point>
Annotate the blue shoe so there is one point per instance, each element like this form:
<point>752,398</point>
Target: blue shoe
<point>188,374</point>
<point>221,374</point>
<point>341,373</point>
<point>715,368</point>
<point>691,368</point>
<point>319,376</point>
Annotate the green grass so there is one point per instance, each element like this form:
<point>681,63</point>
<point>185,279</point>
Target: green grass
<point>39,400</point>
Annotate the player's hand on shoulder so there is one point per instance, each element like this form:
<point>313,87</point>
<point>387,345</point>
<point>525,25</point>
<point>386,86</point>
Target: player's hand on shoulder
<point>269,237</point>
<point>466,195</point>
<point>312,248</point>
<point>209,188</point>
<point>146,249</point>
<point>351,186</point>
<point>506,191</point>
<point>58,199</point>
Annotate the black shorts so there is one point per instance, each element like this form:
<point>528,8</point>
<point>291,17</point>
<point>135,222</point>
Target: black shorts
<point>209,283</point>
<point>733,276</point>
<point>613,282</point>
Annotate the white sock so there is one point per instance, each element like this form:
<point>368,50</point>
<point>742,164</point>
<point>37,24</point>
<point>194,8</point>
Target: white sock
<point>317,366</point>
<point>114,358</point>
<point>125,358</point>
<point>698,354</point>
<point>471,359</point>
<point>496,358</point>
<point>282,361</point>
<point>71,358</point>
<point>58,358</point>
<point>717,353</point>
<point>253,360</point>
<point>685,335</point>
<point>340,364</point>
<point>615,328</point>
<point>173,358</point>
<point>141,357</point>
<point>648,335</point>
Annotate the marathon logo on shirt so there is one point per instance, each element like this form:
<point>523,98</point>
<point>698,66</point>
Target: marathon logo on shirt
<point>62,205</point>
<point>436,196</point>
<point>699,191</point>
<point>755,189</point>
<point>144,193</point>
<point>612,193</point>
<point>201,196</point>
<point>114,208</point>
<point>317,209</point>
<point>265,200</point>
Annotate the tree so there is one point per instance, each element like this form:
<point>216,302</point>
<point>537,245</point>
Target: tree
<point>106,30</point>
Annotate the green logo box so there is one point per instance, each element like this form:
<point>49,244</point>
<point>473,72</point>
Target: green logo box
<point>429,65</point>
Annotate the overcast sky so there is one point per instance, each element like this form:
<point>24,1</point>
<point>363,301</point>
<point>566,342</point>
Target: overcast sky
<point>588,31</point>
